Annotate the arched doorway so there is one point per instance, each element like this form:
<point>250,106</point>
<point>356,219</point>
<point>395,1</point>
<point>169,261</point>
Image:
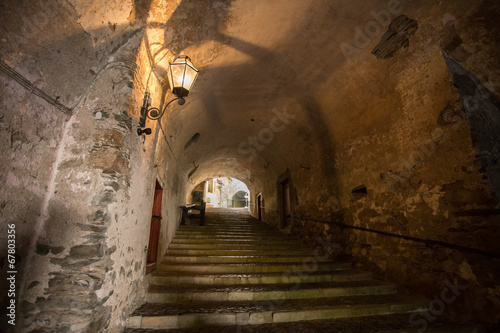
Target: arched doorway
<point>223,192</point>
<point>240,199</point>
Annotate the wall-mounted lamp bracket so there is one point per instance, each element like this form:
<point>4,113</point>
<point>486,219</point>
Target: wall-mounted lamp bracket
<point>181,77</point>
<point>152,113</point>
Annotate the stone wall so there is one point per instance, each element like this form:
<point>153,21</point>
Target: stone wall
<point>79,184</point>
<point>31,132</point>
<point>412,196</point>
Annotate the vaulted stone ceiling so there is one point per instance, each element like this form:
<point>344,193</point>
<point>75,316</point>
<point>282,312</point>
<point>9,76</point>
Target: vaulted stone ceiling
<point>307,64</point>
<point>311,60</point>
<point>381,115</point>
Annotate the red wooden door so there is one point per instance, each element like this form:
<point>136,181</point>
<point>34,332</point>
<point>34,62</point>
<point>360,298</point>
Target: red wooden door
<point>287,211</point>
<point>154,232</point>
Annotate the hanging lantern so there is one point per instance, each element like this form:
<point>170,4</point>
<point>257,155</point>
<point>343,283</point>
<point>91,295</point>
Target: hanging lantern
<point>181,75</point>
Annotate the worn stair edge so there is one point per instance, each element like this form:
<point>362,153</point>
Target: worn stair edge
<point>470,328</point>
<point>234,279</point>
<point>234,259</point>
<point>205,229</point>
<point>248,240</point>
<point>452,328</point>
<point>208,230</point>
<point>211,226</point>
<point>234,246</point>
<point>214,232</point>
<point>190,252</point>
<point>236,237</point>
<point>174,297</point>
<point>256,268</point>
<point>256,318</point>
<point>222,226</point>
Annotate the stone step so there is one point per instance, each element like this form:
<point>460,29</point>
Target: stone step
<point>209,230</point>
<point>206,226</point>
<point>203,314</point>
<point>233,240</point>
<point>205,229</point>
<point>235,246</point>
<point>234,268</point>
<point>210,225</point>
<point>227,228</point>
<point>230,252</point>
<point>235,259</point>
<point>238,238</point>
<point>238,271</point>
<point>262,278</point>
<point>392,323</point>
<point>194,293</point>
<point>231,235</point>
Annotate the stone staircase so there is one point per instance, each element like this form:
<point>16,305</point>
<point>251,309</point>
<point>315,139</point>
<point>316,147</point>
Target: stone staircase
<point>236,274</point>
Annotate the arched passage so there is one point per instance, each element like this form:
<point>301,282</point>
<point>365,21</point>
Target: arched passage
<point>79,185</point>
<point>240,199</point>
<point>222,192</point>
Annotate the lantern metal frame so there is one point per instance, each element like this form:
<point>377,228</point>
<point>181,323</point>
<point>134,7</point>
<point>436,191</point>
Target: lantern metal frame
<point>181,91</point>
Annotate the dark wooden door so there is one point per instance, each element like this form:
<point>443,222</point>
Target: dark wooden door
<point>287,211</point>
<point>154,232</point>
<point>259,206</point>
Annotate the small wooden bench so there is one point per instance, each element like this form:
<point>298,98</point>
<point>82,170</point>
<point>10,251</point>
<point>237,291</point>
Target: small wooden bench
<point>188,214</point>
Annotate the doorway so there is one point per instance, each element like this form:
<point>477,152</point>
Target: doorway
<point>154,231</point>
<point>286,206</point>
<point>259,207</point>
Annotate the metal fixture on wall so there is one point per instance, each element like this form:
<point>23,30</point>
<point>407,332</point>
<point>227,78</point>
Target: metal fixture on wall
<point>181,76</point>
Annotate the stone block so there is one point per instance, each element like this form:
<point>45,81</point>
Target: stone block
<point>274,279</point>
<point>269,295</point>
<point>259,318</point>
<point>85,251</point>
<point>229,281</point>
<point>241,296</point>
<point>242,318</point>
<point>109,137</point>
<point>185,279</point>
<point>164,322</point>
<point>202,320</point>
<point>304,293</point>
<point>162,297</point>
<point>210,296</point>
<point>134,322</point>
<point>253,280</point>
<point>110,159</point>
<point>203,280</point>
<point>283,317</point>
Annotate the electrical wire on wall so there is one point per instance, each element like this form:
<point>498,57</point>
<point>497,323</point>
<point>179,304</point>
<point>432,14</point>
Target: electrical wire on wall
<point>31,88</point>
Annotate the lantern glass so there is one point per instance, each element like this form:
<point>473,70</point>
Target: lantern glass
<point>181,76</point>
